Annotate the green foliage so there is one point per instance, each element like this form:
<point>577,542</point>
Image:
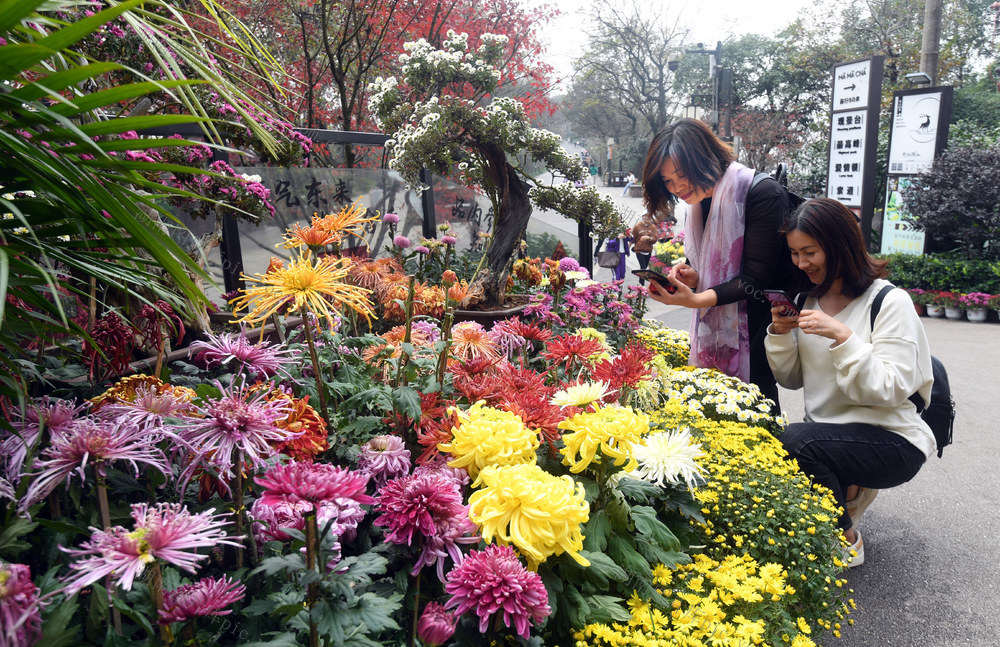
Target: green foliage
<point>943,272</point>
<point>542,245</point>
<point>957,203</point>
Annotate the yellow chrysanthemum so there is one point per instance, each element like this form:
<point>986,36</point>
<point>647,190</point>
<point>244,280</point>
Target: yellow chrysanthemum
<point>538,513</point>
<point>615,431</point>
<point>580,395</point>
<point>314,284</point>
<point>487,436</point>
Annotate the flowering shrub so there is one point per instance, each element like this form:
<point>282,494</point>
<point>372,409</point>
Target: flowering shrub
<point>974,300</point>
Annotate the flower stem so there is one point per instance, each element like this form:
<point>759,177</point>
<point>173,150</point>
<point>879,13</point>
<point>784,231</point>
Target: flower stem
<point>105,511</point>
<point>416,610</point>
<point>321,391</point>
<point>404,357</point>
<point>312,532</point>
<point>238,502</point>
<point>156,590</point>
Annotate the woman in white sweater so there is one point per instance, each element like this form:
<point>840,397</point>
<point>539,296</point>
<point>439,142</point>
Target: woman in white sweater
<point>861,432</point>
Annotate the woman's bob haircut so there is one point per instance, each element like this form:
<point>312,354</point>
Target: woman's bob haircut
<point>696,152</point>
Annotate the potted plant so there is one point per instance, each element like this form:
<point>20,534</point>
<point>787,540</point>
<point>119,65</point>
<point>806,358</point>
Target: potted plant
<point>443,116</point>
<point>933,306</point>
<point>975,304</point>
<point>920,299</point>
<point>994,303</point>
<point>950,302</point>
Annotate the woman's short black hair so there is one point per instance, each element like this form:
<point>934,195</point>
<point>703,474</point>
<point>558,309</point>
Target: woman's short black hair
<point>701,156</point>
<point>835,228</point>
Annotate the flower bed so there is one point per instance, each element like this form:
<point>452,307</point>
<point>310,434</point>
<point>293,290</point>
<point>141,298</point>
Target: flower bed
<point>557,478</point>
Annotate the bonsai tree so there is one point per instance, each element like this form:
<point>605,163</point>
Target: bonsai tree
<point>957,203</point>
<point>442,117</point>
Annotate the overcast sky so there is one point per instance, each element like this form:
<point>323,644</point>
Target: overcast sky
<point>710,21</point>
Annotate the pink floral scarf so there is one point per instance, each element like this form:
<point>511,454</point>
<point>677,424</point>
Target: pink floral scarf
<point>719,335</point>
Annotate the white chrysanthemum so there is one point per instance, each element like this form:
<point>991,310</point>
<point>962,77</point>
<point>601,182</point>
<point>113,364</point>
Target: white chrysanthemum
<point>669,457</point>
<point>581,395</point>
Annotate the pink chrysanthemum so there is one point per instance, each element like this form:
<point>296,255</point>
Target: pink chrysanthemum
<point>166,531</point>
<point>149,407</point>
<point>241,420</point>
<point>383,458</point>
<point>436,624</point>
<point>426,506</point>
<point>271,518</point>
<point>207,597</point>
<point>20,612</point>
<point>492,580</point>
<point>54,415</point>
<point>260,360</point>
<point>97,442</point>
<point>313,483</point>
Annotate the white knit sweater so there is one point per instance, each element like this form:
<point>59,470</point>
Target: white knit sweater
<point>869,377</point>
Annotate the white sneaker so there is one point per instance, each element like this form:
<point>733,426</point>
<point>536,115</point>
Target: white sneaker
<point>857,506</point>
<point>854,555</point>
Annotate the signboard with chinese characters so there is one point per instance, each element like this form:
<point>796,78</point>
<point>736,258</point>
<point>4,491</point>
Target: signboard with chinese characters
<point>847,156</point>
<point>850,176</point>
<point>918,134</point>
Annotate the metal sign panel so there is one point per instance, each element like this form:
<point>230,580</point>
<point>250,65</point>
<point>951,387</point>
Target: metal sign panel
<point>851,82</point>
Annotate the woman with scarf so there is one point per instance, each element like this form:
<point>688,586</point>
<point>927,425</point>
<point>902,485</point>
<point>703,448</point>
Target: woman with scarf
<point>733,248</point>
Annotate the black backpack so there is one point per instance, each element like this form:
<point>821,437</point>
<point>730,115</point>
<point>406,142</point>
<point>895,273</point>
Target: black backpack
<point>940,413</point>
<point>780,175</point>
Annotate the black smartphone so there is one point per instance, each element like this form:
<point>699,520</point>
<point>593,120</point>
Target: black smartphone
<point>781,299</point>
<point>651,275</point>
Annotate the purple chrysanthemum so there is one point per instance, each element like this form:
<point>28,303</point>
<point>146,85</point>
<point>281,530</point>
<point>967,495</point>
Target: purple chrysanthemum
<point>569,264</point>
<point>207,597</point>
<point>439,464</point>
<point>436,624</point>
<point>20,612</point>
<point>166,531</point>
<point>148,409</point>
<point>383,458</point>
<point>449,240</point>
<point>505,338</point>
<point>390,219</point>
<point>314,483</point>
<point>260,360</point>
<point>492,580</point>
<point>401,241</point>
<point>97,442</point>
<point>428,328</point>
<point>429,506</point>
<point>271,518</point>
<point>53,414</point>
<point>241,421</point>
<point>422,249</point>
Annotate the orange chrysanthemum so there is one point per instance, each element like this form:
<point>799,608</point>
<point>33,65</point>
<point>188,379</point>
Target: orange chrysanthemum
<point>462,294</point>
<point>428,300</point>
<point>312,237</point>
<point>301,417</point>
<point>349,221</point>
<point>470,340</point>
<point>125,391</point>
<point>372,274</point>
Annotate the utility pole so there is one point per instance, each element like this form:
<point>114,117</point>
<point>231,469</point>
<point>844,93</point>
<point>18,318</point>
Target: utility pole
<point>931,39</point>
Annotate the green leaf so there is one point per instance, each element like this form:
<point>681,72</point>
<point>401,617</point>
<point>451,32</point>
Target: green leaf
<point>606,608</point>
<point>406,401</point>
<point>595,532</point>
<point>621,550</point>
<point>638,490</point>
<point>136,616</point>
<point>10,537</point>
<point>56,619</point>
<point>646,522</point>
<point>603,570</point>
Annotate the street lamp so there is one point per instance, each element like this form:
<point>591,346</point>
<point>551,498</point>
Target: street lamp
<point>722,82</point>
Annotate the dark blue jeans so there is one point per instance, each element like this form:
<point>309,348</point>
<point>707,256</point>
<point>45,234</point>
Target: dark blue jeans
<point>839,455</point>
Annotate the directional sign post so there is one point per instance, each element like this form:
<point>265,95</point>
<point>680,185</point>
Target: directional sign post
<point>857,88</point>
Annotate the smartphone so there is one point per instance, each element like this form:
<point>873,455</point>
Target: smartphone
<point>661,280</point>
<point>780,298</point>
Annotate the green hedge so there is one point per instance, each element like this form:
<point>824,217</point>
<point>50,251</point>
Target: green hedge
<point>942,272</point>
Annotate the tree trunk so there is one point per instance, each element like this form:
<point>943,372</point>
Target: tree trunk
<point>511,223</point>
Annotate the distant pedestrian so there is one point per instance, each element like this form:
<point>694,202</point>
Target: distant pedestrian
<point>629,181</point>
<point>593,174</point>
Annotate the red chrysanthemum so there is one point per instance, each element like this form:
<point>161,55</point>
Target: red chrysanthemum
<point>535,410</point>
<point>313,482</point>
<point>531,332</point>
<point>571,349</point>
<point>437,417</point>
<point>625,370</point>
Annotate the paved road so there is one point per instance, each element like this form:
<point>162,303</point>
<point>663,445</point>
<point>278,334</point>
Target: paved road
<point>931,576</point>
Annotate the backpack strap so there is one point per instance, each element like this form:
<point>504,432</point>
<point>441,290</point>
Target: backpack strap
<point>915,398</point>
<point>757,179</point>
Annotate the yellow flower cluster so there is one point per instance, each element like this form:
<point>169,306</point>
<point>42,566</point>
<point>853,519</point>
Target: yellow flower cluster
<point>539,513</point>
<point>596,335</point>
<point>615,431</point>
<point>487,436</point>
<point>711,603</point>
<point>669,251</point>
<point>674,346</point>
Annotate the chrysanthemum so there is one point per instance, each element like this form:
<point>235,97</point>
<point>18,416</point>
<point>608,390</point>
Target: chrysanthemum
<point>95,442</point>
<point>571,349</point>
<point>349,221</point>
<point>539,513</point>
<point>371,274</point>
<point>207,597</point>
<point>384,457</point>
<point>627,369</point>
<point>312,237</point>
<point>532,332</point>
<point>494,580</point>
<point>463,294</point>
<point>669,456</point>
<point>20,612</point>
<point>312,482</point>
<point>488,436</point>
<point>536,412</point>
<point>436,624</point>
<point>314,284</point>
<point>305,421</point>
<point>615,431</point>
<point>469,340</point>
<point>427,507</point>
<point>53,414</point>
<point>243,421</point>
<point>261,360</point>
<point>507,341</point>
<point>581,395</point>
<point>166,531</point>
<point>149,407</point>
<point>270,518</point>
